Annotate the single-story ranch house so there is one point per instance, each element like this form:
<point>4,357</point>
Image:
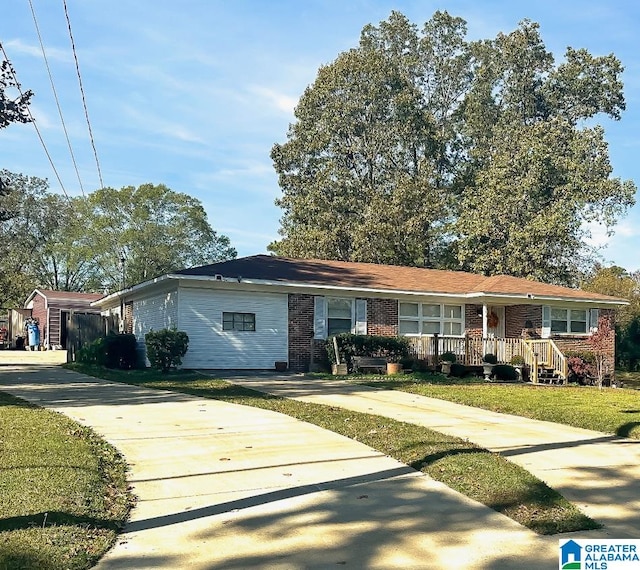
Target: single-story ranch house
<point>252,312</point>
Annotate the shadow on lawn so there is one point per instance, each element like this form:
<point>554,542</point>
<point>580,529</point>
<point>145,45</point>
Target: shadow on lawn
<point>625,429</point>
<point>57,518</point>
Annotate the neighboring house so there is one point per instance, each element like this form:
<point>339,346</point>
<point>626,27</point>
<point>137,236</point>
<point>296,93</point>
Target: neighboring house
<point>251,312</point>
<point>52,309</point>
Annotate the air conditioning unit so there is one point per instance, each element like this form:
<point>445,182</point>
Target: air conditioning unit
<point>218,277</point>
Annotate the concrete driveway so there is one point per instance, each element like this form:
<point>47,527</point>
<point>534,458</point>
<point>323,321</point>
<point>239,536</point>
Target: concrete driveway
<point>599,473</point>
<point>227,486</point>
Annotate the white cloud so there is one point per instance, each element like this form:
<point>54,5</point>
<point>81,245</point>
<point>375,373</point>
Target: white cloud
<point>281,101</point>
<point>53,54</point>
<point>157,125</point>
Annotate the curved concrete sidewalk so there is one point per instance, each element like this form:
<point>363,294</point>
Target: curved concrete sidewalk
<point>228,486</point>
<point>599,473</point>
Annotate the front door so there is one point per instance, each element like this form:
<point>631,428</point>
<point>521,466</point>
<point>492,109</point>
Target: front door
<point>495,322</point>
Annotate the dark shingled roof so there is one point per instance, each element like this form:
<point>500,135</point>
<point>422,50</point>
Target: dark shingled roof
<point>383,277</point>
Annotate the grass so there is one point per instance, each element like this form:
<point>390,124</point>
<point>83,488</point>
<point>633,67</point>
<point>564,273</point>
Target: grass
<point>482,476</point>
<point>610,410</point>
<point>630,379</point>
<point>64,490</point>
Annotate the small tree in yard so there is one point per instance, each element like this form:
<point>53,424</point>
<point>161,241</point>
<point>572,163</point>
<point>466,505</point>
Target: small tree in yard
<point>601,342</point>
<point>166,347</point>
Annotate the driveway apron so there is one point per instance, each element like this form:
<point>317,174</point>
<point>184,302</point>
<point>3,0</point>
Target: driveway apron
<point>227,486</point>
<point>599,473</point>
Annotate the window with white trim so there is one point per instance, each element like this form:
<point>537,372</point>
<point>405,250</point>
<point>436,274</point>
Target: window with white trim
<point>335,315</point>
<point>430,318</point>
<point>339,315</point>
<point>568,321</point>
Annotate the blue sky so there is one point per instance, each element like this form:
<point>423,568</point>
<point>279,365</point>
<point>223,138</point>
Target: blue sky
<point>193,94</point>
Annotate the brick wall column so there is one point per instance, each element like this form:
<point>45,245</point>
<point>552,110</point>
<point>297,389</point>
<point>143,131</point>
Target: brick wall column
<point>300,331</point>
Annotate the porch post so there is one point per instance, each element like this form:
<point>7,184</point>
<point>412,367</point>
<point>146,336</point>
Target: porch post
<point>436,351</point>
<point>485,310</point>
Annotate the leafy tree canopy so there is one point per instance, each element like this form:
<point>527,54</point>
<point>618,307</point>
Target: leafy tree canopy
<point>156,229</point>
<point>13,106</point>
<point>418,147</point>
<point>617,282</point>
<point>76,244</point>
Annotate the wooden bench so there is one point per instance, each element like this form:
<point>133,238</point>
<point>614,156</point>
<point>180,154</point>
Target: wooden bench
<point>361,363</point>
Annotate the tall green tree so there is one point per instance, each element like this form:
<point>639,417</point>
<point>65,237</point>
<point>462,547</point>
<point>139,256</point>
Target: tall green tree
<point>153,228</point>
<point>420,148</point>
<point>26,224</point>
<point>365,169</point>
<point>534,175</point>
<point>76,244</point>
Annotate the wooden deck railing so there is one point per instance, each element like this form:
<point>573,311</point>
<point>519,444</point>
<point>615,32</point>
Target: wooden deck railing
<point>470,350</point>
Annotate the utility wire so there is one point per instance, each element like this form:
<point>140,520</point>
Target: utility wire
<point>55,95</point>
<point>84,102</point>
<point>35,125</point>
<point>44,146</point>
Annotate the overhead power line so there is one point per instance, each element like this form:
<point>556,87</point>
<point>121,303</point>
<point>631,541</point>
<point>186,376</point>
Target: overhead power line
<point>55,95</point>
<point>84,101</point>
<point>35,125</point>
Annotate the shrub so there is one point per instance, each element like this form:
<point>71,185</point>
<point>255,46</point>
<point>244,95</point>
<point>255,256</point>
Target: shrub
<point>490,358</point>
<point>581,366</point>
<point>458,370</point>
<point>121,351</point>
<point>112,351</point>
<point>93,352</point>
<point>448,357</point>
<point>420,365</point>
<point>517,360</point>
<point>166,347</point>
<point>505,372</point>
<point>394,349</point>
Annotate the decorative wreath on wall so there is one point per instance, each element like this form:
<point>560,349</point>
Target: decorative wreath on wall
<point>492,320</point>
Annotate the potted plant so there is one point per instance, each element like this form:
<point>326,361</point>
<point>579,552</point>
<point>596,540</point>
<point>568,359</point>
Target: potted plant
<point>488,362</point>
<point>446,360</point>
<point>394,368</point>
<point>517,361</point>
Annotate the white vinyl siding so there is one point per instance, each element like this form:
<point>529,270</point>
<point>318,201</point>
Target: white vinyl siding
<point>430,318</point>
<point>158,312</point>
<point>201,317</point>
<point>155,313</point>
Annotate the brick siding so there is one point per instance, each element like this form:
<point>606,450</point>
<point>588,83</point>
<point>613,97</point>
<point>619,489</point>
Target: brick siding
<point>300,331</point>
<point>517,315</point>
<point>473,320</point>
<point>382,317</point>
<point>581,343</point>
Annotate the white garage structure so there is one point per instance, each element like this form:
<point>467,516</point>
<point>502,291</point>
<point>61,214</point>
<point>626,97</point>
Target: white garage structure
<point>230,325</point>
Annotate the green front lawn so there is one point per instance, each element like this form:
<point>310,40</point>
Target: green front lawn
<point>63,490</point>
<point>610,410</point>
<point>483,476</point>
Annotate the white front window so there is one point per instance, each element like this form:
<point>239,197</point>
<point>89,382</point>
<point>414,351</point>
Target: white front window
<point>568,320</point>
<point>430,318</point>
<point>339,315</point>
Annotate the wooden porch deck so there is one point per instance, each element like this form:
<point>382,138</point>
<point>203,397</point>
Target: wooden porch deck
<point>538,353</point>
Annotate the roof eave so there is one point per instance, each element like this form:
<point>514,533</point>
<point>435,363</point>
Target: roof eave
<point>133,289</point>
<point>529,297</point>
